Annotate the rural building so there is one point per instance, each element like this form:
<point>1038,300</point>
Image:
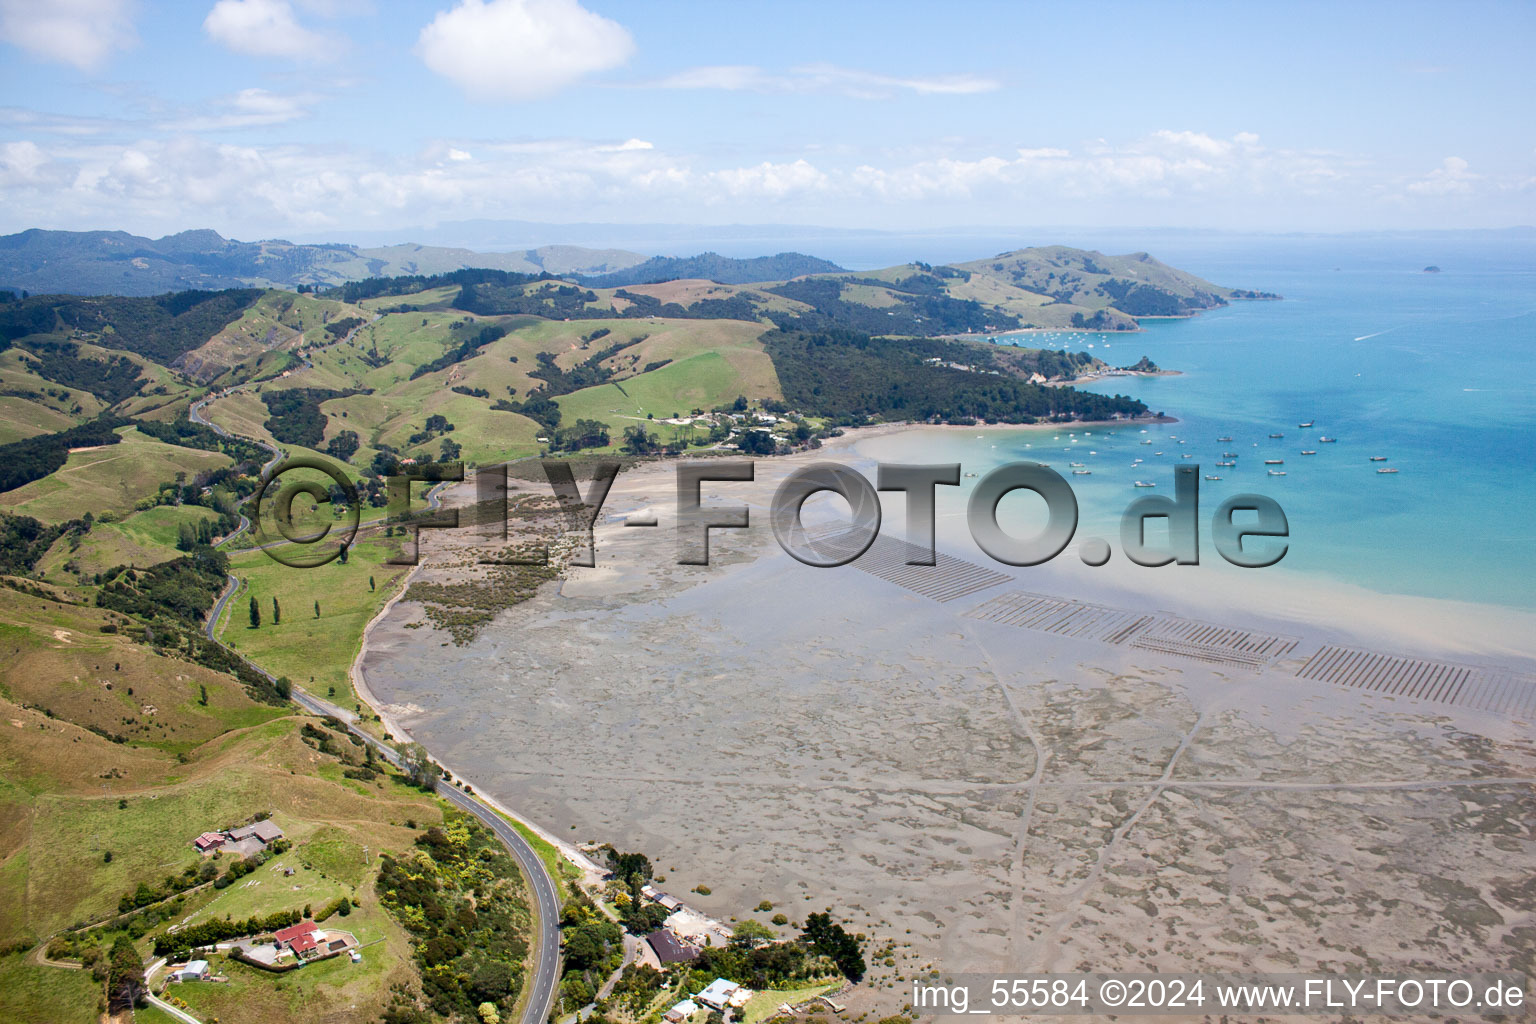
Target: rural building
<point>681,1012</point>
<point>208,842</point>
<point>265,831</point>
<point>722,993</point>
<point>670,949</point>
<point>285,936</point>
<point>197,970</point>
<point>309,942</point>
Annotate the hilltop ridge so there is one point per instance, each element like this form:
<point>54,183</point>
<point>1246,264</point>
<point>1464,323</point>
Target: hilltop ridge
<point>119,263</point>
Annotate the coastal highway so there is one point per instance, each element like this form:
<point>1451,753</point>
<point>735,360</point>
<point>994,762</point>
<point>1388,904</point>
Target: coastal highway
<point>544,973</point>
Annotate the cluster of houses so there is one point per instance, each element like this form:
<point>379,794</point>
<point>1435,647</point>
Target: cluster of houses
<point>678,939</point>
<point>245,840</point>
<point>719,994</point>
<point>293,946</point>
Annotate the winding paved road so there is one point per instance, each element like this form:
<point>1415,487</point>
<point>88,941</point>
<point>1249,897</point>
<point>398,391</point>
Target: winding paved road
<point>545,973</point>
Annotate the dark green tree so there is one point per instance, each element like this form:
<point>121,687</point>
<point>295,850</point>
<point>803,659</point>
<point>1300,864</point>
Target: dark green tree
<point>255,613</point>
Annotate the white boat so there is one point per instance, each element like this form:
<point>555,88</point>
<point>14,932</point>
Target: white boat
<point>1146,440</point>
<point>1082,472</point>
<point>1306,425</point>
<point>1229,455</point>
<point>1309,451</point>
<point>1145,483</point>
<point>1328,440</point>
<point>1228,465</point>
<point>1274,462</point>
<point>1388,469</point>
<point>1224,440</point>
<point>1378,458</point>
<point>1276,435</point>
<point>970,474</point>
<point>1075,465</point>
<point>1277,472</point>
<point>1212,476</point>
<point>1157,453</point>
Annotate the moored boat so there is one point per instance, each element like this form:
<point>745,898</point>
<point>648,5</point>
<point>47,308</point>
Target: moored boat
<point>1274,462</point>
<point>1309,451</point>
<point>1145,483</point>
<point>1305,425</point>
<point>1277,472</point>
<point>1328,440</point>
<point>1212,476</point>
<point>1388,469</point>
<point>1378,458</point>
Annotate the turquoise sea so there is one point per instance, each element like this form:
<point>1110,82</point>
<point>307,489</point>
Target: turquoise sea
<point>1435,371</point>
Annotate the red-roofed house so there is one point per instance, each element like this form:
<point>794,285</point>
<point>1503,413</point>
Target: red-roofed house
<point>208,841</point>
<point>304,946</point>
<point>285,936</point>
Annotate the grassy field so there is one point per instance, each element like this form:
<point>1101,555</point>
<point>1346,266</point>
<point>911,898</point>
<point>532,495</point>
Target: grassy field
<point>351,991</point>
<point>707,364</point>
<point>55,659</point>
<point>33,994</point>
<point>315,653</point>
<point>109,478</point>
<point>766,1003</point>
<point>141,539</point>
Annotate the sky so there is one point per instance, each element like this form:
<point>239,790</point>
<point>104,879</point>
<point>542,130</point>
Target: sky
<point>307,119</point>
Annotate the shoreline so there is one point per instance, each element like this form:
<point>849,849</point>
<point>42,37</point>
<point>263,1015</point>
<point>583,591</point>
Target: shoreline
<point>751,726</point>
<point>1325,609</point>
<point>398,733</point>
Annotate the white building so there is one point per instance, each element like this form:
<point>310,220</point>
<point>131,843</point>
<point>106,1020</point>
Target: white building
<point>681,1012</point>
<point>718,994</point>
<point>722,993</point>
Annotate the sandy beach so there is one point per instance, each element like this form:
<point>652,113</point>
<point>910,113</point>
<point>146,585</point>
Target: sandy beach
<point>987,794</point>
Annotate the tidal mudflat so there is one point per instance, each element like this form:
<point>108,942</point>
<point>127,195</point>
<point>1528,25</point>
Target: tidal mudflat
<point>987,796</point>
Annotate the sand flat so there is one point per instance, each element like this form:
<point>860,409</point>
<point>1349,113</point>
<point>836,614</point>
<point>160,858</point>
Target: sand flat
<point>999,798</point>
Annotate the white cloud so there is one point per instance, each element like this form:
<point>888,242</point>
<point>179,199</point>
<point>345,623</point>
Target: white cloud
<point>79,32</point>
<point>520,49</point>
<point>20,162</point>
<point>822,78</point>
<point>248,108</point>
<point>258,190</point>
<point>1450,178</point>
<point>769,180</point>
<point>265,28</point>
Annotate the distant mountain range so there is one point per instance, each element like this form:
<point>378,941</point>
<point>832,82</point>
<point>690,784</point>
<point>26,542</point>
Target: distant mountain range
<point>118,263</point>
<point>711,266</point>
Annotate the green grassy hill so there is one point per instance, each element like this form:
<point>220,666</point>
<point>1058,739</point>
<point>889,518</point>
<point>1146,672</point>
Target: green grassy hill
<point>108,479</point>
<point>114,756</point>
